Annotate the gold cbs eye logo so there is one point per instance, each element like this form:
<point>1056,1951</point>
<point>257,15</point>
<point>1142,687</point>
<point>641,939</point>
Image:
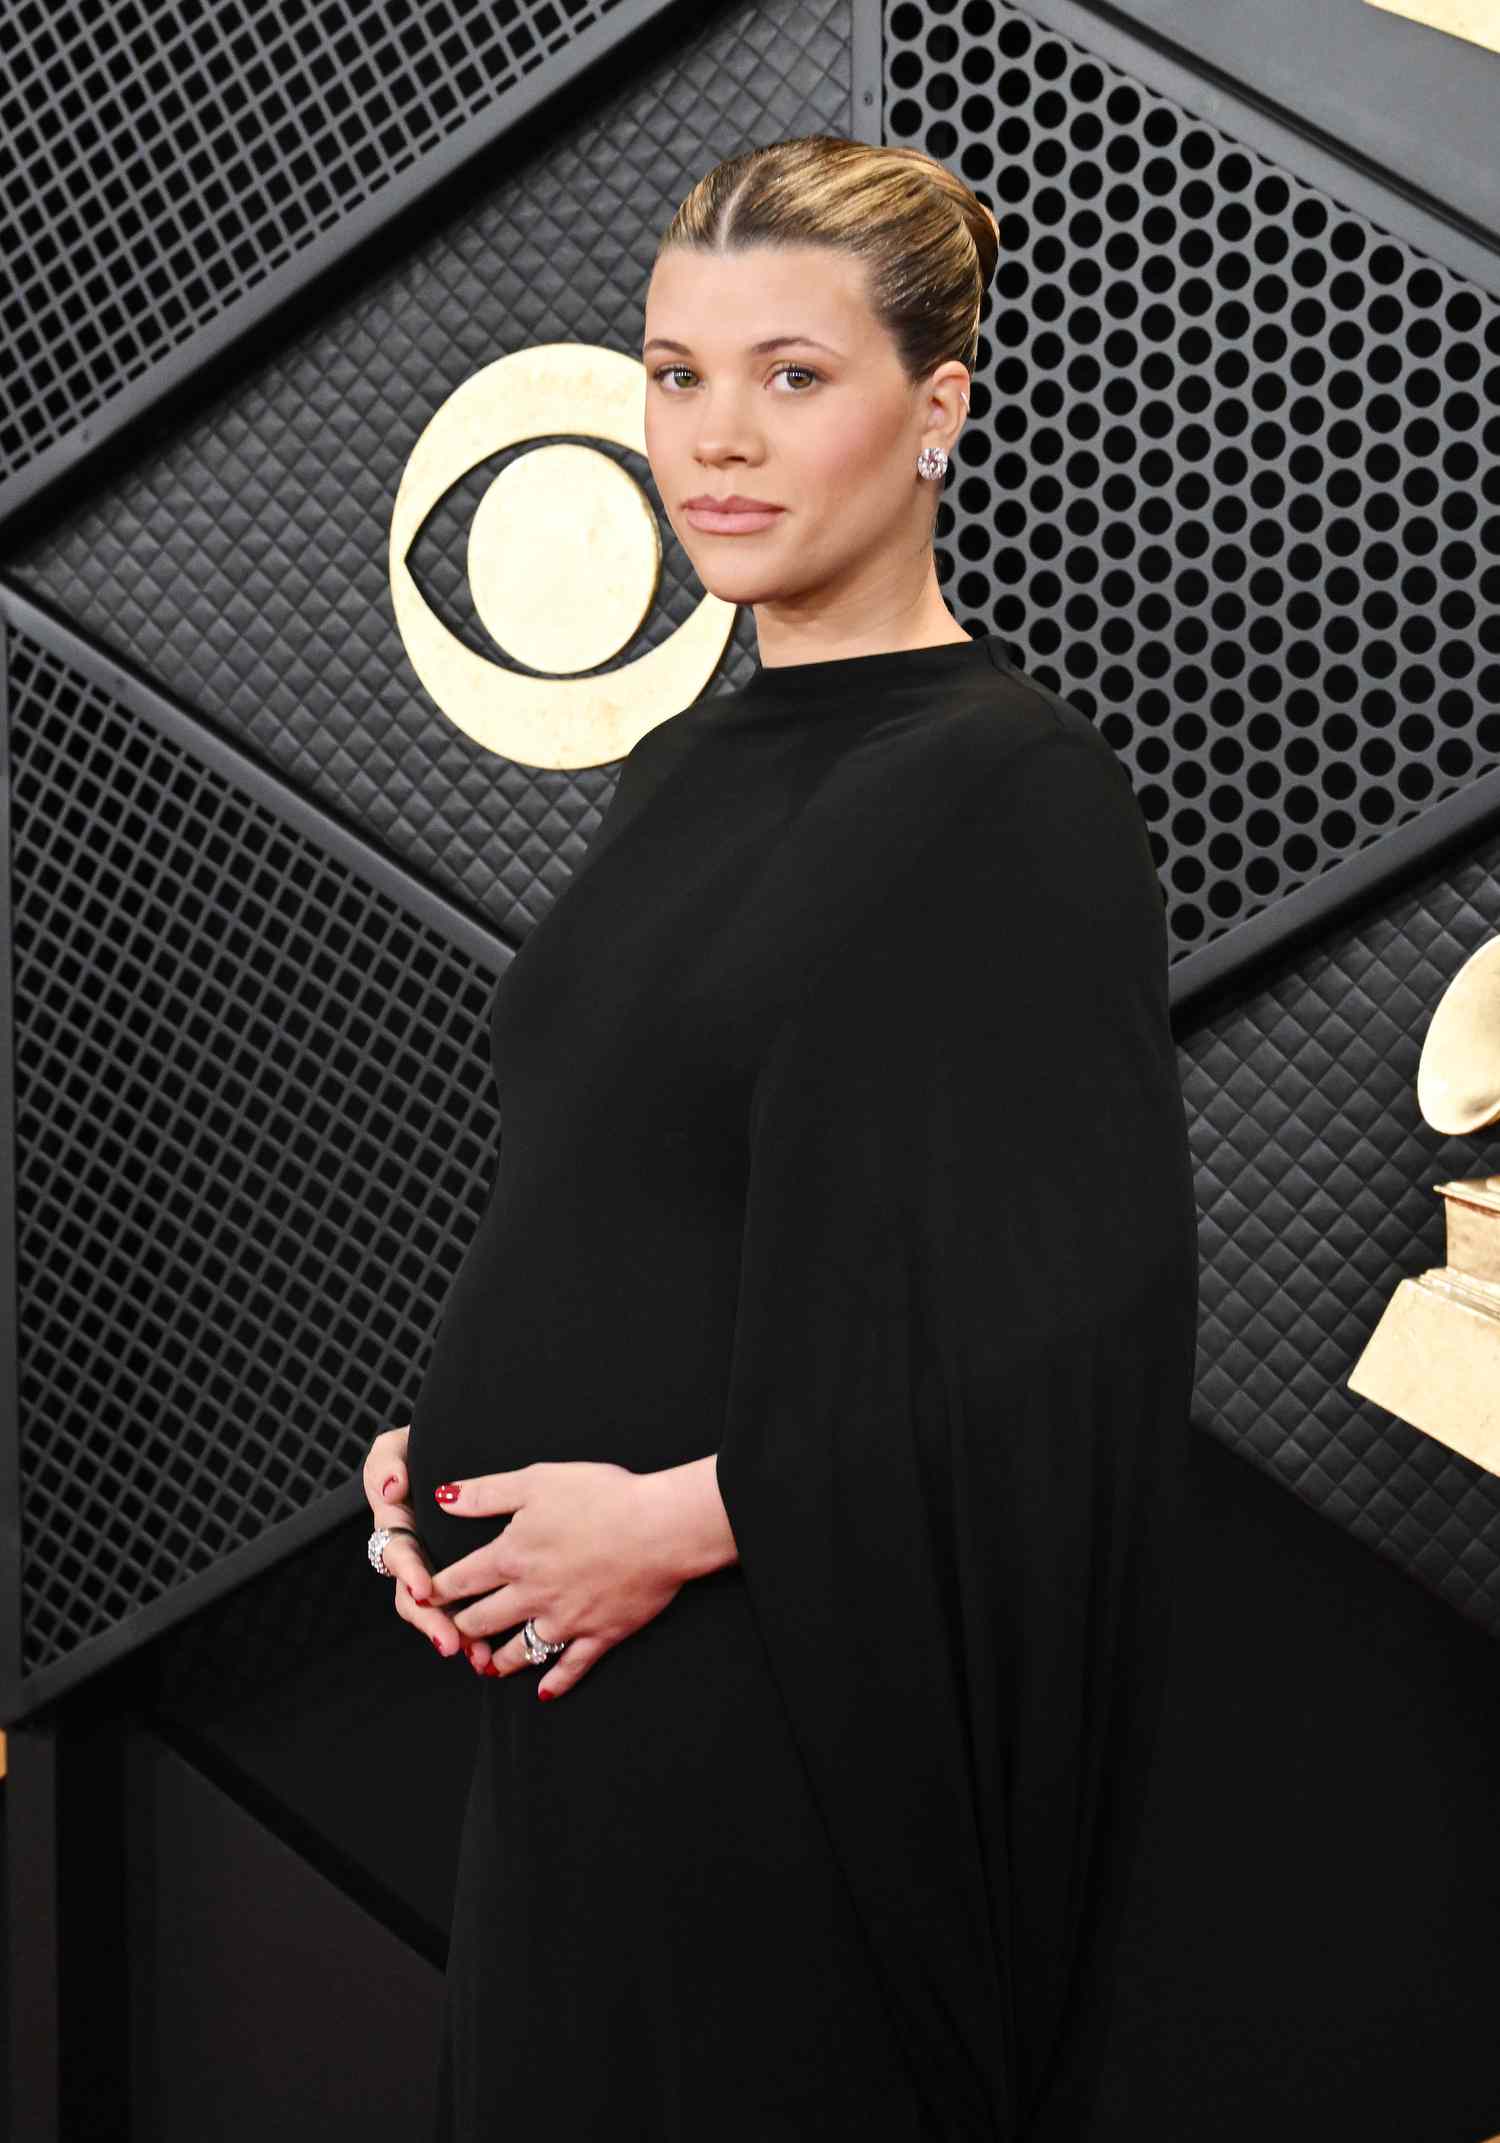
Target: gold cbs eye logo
<point>564,561</point>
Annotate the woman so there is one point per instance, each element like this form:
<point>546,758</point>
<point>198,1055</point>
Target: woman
<point>817,1378</point>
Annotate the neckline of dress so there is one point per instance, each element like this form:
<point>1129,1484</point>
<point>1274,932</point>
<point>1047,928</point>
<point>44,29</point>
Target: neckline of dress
<point>850,684</point>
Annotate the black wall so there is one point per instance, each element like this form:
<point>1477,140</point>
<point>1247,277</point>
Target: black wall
<point>1231,483</point>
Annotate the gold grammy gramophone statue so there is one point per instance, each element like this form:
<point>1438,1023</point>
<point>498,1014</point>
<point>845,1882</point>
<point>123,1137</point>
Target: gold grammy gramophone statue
<point>1434,1357</point>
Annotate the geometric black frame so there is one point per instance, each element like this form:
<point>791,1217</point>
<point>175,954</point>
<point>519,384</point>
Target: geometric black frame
<point>363,861</point>
<point>1229,961</point>
<point>1224,968</point>
<point>1454,824</point>
<point>370,220</point>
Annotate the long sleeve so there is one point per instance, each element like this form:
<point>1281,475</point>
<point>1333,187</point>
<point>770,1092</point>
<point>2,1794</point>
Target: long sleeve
<point>957,1411</point>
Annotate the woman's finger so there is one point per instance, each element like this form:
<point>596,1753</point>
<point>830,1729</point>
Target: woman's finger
<point>406,1562</point>
<point>567,1667</point>
<point>510,1657</point>
<point>403,1558</point>
<point>403,1554</point>
<point>385,1485</point>
<point>385,1476</point>
<point>439,1630</point>
<point>431,1621</point>
<point>570,1666</point>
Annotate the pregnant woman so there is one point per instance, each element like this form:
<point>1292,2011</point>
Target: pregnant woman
<point>801,1442</point>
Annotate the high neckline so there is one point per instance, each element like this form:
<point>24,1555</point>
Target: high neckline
<point>850,683</point>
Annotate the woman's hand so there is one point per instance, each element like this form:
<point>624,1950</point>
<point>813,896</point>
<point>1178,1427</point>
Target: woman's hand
<point>585,1554</point>
<point>386,1487</point>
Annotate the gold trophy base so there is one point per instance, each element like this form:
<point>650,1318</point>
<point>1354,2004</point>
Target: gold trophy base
<point>1434,1360</point>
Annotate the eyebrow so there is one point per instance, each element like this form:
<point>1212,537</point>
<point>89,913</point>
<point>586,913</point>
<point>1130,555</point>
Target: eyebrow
<point>772,342</point>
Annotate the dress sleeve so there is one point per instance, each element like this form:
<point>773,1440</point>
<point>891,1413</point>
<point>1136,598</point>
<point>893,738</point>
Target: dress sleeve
<point>956,1419</point>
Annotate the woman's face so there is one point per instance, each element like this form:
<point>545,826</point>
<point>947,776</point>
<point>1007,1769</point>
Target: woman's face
<point>824,426</point>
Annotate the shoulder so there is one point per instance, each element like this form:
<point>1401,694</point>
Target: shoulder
<point>989,774</point>
<point>949,836</point>
<point>1009,748</point>
<point>1030,809</point>
<point>1000,729</point>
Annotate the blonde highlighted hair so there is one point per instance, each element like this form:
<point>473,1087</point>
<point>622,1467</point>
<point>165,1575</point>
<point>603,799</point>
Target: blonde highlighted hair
<point>930,245</point>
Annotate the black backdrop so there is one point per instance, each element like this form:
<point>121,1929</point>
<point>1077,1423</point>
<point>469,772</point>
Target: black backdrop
<point>1231,483</point>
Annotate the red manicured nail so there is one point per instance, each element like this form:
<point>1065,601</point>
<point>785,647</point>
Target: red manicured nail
<point>491,1668</point>
<point>435,1645</point>
<point>387,1485</point>
<point>545,1695</point>
<point>423,1599</point>
<point>448,1493</point>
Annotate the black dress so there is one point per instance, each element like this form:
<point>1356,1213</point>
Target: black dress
<point>842,1137</point>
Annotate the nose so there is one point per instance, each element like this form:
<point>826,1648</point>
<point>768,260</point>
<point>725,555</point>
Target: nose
<point>725,434</point>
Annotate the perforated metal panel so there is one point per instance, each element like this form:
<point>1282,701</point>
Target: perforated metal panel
<point>1231,480</point>
<point>254,1129</point>
<point>165,158</point>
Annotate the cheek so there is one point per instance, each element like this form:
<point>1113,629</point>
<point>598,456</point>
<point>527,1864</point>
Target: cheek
<point>851,467</point>
<point>657,424</point>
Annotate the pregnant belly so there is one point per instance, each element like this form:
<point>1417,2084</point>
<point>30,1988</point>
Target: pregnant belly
<point>542,1355</point>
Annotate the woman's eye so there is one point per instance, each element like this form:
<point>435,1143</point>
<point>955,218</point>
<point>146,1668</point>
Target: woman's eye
<point>665,372</point>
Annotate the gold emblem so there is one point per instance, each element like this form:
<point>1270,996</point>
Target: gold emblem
<point>564,561</point>
<point>1476,20</point>
<point>1434,1357</point>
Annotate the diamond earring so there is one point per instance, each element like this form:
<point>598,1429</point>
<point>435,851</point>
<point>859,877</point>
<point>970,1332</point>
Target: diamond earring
<point>933,460</point>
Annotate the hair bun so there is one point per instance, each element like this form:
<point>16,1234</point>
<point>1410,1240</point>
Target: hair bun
<point>984,229</point>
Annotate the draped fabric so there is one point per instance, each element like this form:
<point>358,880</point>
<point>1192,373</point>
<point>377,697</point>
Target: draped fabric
<point>842,1138</point>
<point>954,1440</point>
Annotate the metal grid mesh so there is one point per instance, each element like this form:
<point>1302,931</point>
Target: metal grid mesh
<point>255,1127</point>
<point>164,159</point>
<point>1232,473</point>
<point>254,588</point>
<point>241,559</point>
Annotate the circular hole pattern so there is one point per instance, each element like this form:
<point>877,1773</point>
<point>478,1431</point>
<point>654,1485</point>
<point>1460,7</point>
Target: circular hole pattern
<point>1232,479</point>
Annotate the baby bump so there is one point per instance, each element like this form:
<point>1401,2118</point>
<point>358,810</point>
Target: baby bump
<point>541,1357</point>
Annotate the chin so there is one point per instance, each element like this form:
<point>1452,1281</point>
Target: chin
<point>737,588</point>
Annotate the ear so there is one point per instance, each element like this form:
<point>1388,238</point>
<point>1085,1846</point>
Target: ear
<point>947,404</point>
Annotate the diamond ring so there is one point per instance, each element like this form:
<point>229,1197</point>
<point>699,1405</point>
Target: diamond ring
<point>537,1648</point>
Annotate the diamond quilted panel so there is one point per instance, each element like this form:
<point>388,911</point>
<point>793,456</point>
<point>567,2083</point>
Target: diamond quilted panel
<point>242,563</point>
<point>1315,1169</point>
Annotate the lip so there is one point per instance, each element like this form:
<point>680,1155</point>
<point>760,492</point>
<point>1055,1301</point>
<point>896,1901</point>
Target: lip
<point>732,516</point>
<point>732,502</point>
